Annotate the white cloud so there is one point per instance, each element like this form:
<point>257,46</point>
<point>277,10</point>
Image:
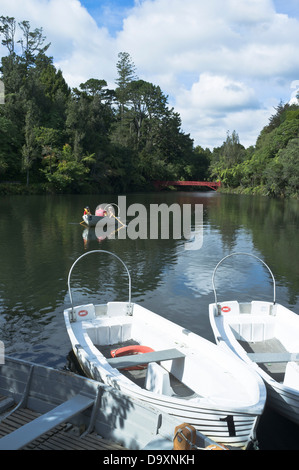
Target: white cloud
<point>221,47</point>
<point>217,94</point>
<point>78,46</point>
<point>224,63</point>
<point>216,104</point>
<point>295,92</point>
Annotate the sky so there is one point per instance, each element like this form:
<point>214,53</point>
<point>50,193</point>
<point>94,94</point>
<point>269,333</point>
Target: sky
<point>224,64</point>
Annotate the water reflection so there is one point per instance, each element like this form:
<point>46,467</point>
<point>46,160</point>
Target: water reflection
<point>271,227</point>
<point>40,238</point>
<point>90,235</point>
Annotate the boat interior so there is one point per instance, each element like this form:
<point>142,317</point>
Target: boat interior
<point>109,328</point>
<point>169,371</point>
<point>263,330</point>
<point>152,376</point>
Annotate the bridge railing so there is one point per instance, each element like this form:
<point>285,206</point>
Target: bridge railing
<point>211,184</point>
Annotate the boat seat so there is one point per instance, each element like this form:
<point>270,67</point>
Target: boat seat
<point>273,357</point>
<point>259,307</point>
<point>45,423</point>
<point>123,362</point>
<point>157,379</point>
<point>109,330</point>
<point>116,309</point>
<point>252,328</point>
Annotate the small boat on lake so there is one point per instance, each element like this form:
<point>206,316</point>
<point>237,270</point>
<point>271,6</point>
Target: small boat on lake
<point>265,335</point>
<point>164,365</point>
<point>104,212</point>
<point>46,409</point>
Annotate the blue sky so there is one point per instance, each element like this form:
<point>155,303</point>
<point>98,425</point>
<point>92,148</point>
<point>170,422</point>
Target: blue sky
<point>109,13</point>
<point>224,64</point>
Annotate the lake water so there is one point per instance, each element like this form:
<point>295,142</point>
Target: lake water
<point>41,237</point>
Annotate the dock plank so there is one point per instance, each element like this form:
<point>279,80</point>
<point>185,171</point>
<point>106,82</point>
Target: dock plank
<point>44,423</point>
<point>56,439</point>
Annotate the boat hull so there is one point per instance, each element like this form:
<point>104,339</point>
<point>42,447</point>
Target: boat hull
<point>92,220</point>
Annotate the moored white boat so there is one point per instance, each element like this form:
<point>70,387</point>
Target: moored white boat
<point>185,375</point>
<point>265,335</point>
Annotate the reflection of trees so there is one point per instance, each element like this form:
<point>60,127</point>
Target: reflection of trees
<point>273,225</point>
<point>104,278</point>
<point>41,238</point>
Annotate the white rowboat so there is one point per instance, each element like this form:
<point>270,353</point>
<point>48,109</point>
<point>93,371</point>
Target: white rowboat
<point>265,335</point>
<point>185,375</point>
<point>104,213</point>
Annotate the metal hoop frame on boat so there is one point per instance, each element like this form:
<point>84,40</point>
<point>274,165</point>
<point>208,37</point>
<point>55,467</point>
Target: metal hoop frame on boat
<point>112,204</point>
<point>246,254</point>
<point>89,253</point>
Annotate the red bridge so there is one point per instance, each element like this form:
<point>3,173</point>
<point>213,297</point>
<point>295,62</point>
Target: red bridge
<point>163,184</point>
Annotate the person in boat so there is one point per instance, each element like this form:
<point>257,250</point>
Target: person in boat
<point>87,211</point>
<point>100,212</point>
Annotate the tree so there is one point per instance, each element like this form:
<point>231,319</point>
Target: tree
<point>8,30</point>
<point>89,116</point>
<point>49,142</point>
<point>9,147</point>
<point>95,88</point>
<point>148,104</point>
<point>147,126</point>
<point>126,74</point>
<point>232,150</point>
<point>282,173</point>
<point>50,92</point>
<point>31,43</point>
<point>12,67</point>
<point>226,158</point>
<point>65,173</point>
<point>198,164</point>
<point>290,167</point>
<point>29,151</point>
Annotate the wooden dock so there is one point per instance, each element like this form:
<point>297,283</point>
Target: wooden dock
<point>63,437</point>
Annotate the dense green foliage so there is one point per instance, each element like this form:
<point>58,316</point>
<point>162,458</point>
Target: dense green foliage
<point>94,139</point>
<point>89,138</point>
<point>272,166</point>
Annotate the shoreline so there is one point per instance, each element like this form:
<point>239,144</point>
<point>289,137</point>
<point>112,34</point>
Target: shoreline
<point>15,188</point>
